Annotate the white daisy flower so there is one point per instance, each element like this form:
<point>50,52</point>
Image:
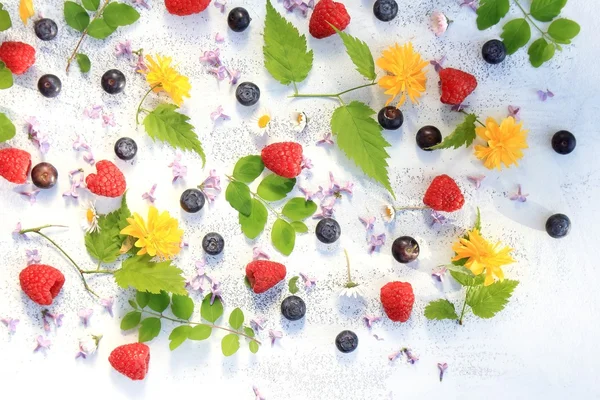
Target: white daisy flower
<point>351,289</point>
<point>261,121</point>
<point>299,119</point>
<point>388,213</point>
<point>89,222</point>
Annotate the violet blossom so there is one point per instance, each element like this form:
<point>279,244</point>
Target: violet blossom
<point>213,182</point>
<point>79,144</point>
<point>376,242</point>
<point>179,170</point>
<point>395,355</point>
<point>140,66</point>
<point>257,324</point>
<point>258,253</point>
<point>519,196</point>
<point>438,218</point>
<point>123,49</point>
<point>274,335</point>
<point>410,356</point>
<point>88,346</point>
<point>335,189</point>
<point>513,111</point>
<point>327,139</point>
<point>108,305</point>
<point>306,163</point>
<point>76,178</point>
<point>308,195</point>
<point>326,208</point>
<point>234,75</point>
<point>442,367</point>
<point>85,316</point>
<point>219,38</point>
<point>199,280</point>
<point>291,5</point>
<point>48,317</point>
<point>218,113</point>
<point>108,120</point>
<point>42,344</point>
<point>472,4</point>
<point>257,394</point>
<point>439,274</point>
<point>543,96</point>
<point>93,112</point>
<point>220,4</point>
<point>212,58</point>
<point>30,194</point>
<point>215,291</point>
<point>309,282</point>
<point>370,320</point>
<point>33,256</point>
<point>438,65</point>
<point>10,323</point>
<point>476,180</point>
<point>149,195</point>
<point>141,3</point>
<point>40,140</point>
<point>368,222</point>
<point>17,230</point>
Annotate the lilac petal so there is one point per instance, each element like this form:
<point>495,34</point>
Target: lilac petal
<point>258,253</point>
<point>108,120</point>
<point>149,195</point>
<point>472,4</point>
<point>257,324</point>
<point>519,196</point>
<point>438,218</point>
<point>370,320</point>
<point>439,274</point>
<point>306,163</point>
<point>257,394</point>
<point>513,111</point>
<point>85,316</point>
<point>11,324</point>
<point>218,113</point>
<point>368,222</point>
<point>141,3</point>
<point>42,344</point>
<point>234,75</point>
<point>326,140</point>
<point>108,305</point>
<point>123,49</point>
<point>92,112</point>
<point>219,38</point>
<point>442,367</point>
<point>438,65</point>
<point>211,57</point>
<point>220,4</point>
<point>30,194</point>
<point>395,355</point>
<point>309,282</point>
<point>274,335</point>
<point>215,291</point>
<point>411,357</point>
<point>376,242</point>
<point>476,180</point>
<point>308,195</point>
<point>33,257</point>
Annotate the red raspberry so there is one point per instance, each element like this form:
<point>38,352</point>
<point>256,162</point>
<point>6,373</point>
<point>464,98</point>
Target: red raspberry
<point>397,299</point>
<point>131,360</point>
<point>456,85</point>
<point>444,194</point>
<point>14,165</point>
<point>284,159</point>
<point>328,12</point>
<point>41,283</point>
<point>108,182</point>
<point>17,56</point>
<point>186,7</point>
<point>263,275</point>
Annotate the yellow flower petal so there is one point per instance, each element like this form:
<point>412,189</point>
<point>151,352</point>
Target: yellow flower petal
<point>26,10</point>
<point>505,143</point>
<point>161,76</point>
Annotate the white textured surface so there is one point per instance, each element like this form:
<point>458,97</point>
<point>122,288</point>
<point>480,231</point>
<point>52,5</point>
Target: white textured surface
<point>541,346</point>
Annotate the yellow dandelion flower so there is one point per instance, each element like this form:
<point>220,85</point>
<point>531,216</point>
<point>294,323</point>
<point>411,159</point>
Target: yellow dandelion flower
<point>405,73</point>
<point>163,77</point>
<point>482,256</point>
<point>505,143</point>
<point>159,236</point>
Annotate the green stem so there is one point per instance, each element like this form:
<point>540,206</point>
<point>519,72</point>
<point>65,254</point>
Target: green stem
<point>257,197</point>
<point>140,109</point>
<point>333,95</point>
<point>295,88</point>
<point>532,22</point>
<point>410,208</point>
<point>99,271</point>
<point>348,265</point>
<point>462,313</point>
<point>476,119</point>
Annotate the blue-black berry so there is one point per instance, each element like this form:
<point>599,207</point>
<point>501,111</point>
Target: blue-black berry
<point>192,200</point>
<point>238,19</point>
<point>328,230</point>
<point>113,81</point>
<point>390,118</point>
<point>346,341</point>
<point>293,308</point>
<point>213,243</point>
<point>247,93</point>
<point>49,85</point>
<point>385,10</point>
<point>558,226</point>
<point>125,148</point>
<point>493,51</point>
<point>563,142</point>
<point>405,249</point>
<point>428,136</point>
<point>45,29</point>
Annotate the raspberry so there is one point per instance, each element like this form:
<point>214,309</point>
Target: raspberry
<point>14,165</point>
<point>17,56</point>
<point>456,85</point>
<point>328,12</point>
<point>444,194</point>
<point>108,182</point>
<point>263,275</point>
<point>186,7</point>
<point>397,299</point>
<point>284,159</point>
<point>41,283</point>
<point>131,360</point>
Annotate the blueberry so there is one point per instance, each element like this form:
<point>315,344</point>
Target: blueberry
<point>247,93</point>
<point>113,81</point>
<point>385,10</point>
<point>49,85</point>
<point>45,29</point>
<point>328,230</point>
<point>563,142</point>
<point>390,118</point>
<point>238,19</point>
<point>428,136</point>
<point>558,226</point>
<point>125,148</point>
<point>405,249</point>
<point>213,243</point>
<point>346,341</point>
<point>493,51</point>
<point>192,200</point>
<point>293,308</point>
<point>44,175</point>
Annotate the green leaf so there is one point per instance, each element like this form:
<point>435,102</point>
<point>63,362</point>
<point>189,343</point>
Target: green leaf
<point>5,22</point>
<point>490,12</point>
<point>293,285</point>
<point>142,298</point>
<point>144,275</point>
<point>249,331</point>
<point>359,53</point>
<point>178,336</point>
<point>247,282</point>
<point>167,125</point>
<point>283,237</point>
<point>487,301</point>
<point>238,196</point>
<point>149,329</point>
<point>546,10</point>
<point>119,14</point>
<point>248,168</point>
<point>464,276</point>
<point>298,209</point>
<point>230,344</point>
<point>84,62</point>
<point>132,303</point>
<point>254,224</point>
<point>76,16</point>
<point>274,187</point>
<point>253,346</point>
<point>478,220</point>
<point>515,34</point>
<point>131,320</point>
<point>463,135</point>
<point>286,55</point>
<point>159,302</point>
<point>440,309</point>
<point>91,5</point>
<point>236,319</point>
<point>540,51</point>
<point>7,128</point>
<point>200,332</point>
<point>213,312</point>
<point>359,136</point>
<point>563,30</point>
<point>99,29</point>
<point>299,226</point>
<point>182,306</point>
<point>6,77</point>
<point>105,244</point>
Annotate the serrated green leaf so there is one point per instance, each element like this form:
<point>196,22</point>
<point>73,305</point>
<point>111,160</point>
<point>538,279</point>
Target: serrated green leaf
<point>546,10</point>
<point>6,77</point>
<point>540,51</point>
<point>464,276</point>
<point>487,301</point>
<point>99,29</point>
<point>7,128</point>
<point>359,53</point>
<point>283,237</point>
<point>293,285</point>
<point>249,331</point>
<point>515,34</point>
<point>182,306</point>
<point>463,135</point>
<point>238,196</point>
<point>286,55</point>
<point>213,312</point>
<point>254,224</point>
<point>440,309</point>
<point>478,220</point>
<point>91,5</point>
<point>144,275</point>
<point>119,14</point>
<point>149,329</point>
<point>359,136</point>
<point>236,319</point>
<point>274,187</point>
<point>131,320</point>
<point>248,168</point>
<point>167,125</point>
<point>253,346</point>
<point>563,30</point>
<point>76,16</point>
<point>490,12</point>
<point>159,301</point>
<point>298,209</point>
<point>104,245</point>
<point>178,336</point>
<point>230,344</point>
<point>5,22</point>
<point>84,62</point>
<point>200,332</point>
<point>299,226</point>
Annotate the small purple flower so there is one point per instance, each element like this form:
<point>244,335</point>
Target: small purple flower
<point>258,253</point>
<point>309,282</point>
<point>40,140</point>
<point>179,170</point>
<point>215,290</point>
<point>438,64</point>
<point>199,280</point>
<point>149,195</point>
<point>257,394</point>
<point>326,208</point>
<point>439,274</point>
<point>10,323</point>
<point>220,4</point>
<point>211,57</point>
<point>30,194</point>
<point>88,346</point>
<point>438,218</point>
<point>218,113</point>
<point>141,3</point>
<point>513,111</point>
<point>92,112</point>
<point>395,355</point>
<point>42,344</point>
<point>257,324</point>
<point>543,96</point>
<point>76,178</point>
<point>108,120</point>
<point>79,144</point>
<point>308,195</point>
<point>326,140</point>
<point>108,305</point>
<point>234,75</point>
<point>291,5</point>
<point>212,182</point>
<point>459,107</point>
<point>370,320</point>
<point>410,356</point>
<point>376,242</point>
<point>472,4</point>
<point>442,367</point>
<point>17,230</point>
<point>47,316</point>
<point>123,49</point>
<point>140,66</point>
<point>476,180</point>
<point>519,196</point>
<point>33,256</point>
<point>306,163</point>
<point>377,337</point>
<point>85,316</point>
<point>368,222</point>
<point>335,189</point>
<point>219,38</point>
<point>274,335</point>
<point>183,244</point>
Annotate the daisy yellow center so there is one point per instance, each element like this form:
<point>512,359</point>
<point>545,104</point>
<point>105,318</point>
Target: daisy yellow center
<point>263,121</point>
<point>299,118</point>
<point>90,215</point>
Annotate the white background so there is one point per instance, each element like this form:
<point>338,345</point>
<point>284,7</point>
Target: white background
<point>542,346</point>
